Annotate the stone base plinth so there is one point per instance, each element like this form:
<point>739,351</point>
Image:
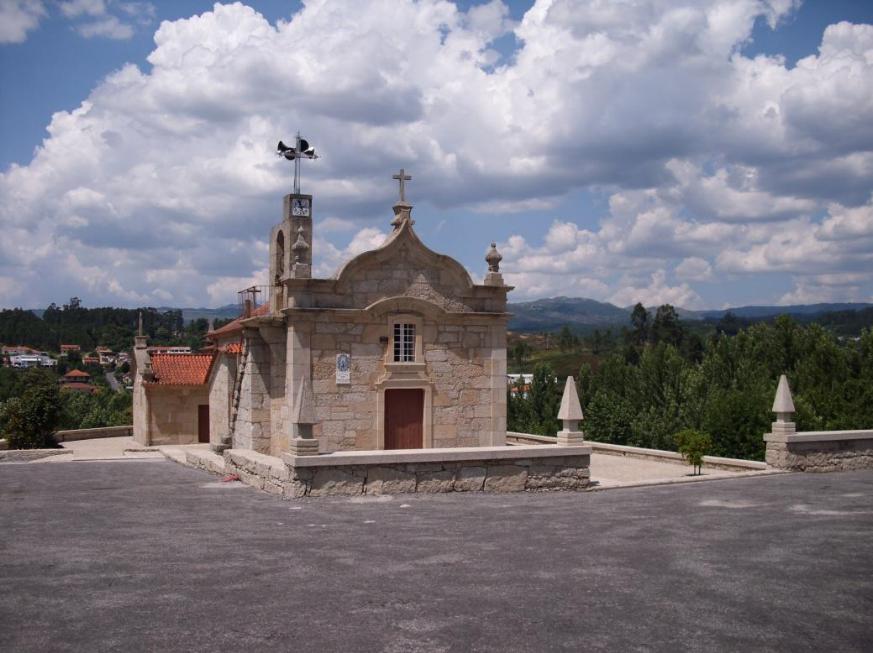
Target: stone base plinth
<point>303,447</point>
<point>570,438</point>
<point>820,451</point>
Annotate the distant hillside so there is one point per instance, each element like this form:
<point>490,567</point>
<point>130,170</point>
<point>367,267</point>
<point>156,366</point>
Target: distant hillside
<point>755,312</point>
<point>553,313</point>
<point>583,314</point>
<point>221,313</point>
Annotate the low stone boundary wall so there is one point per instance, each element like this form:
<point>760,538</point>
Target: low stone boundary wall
<point>92,434</point>
<point>820,451</point>
<point>469,469</point>
<point>709,462</point>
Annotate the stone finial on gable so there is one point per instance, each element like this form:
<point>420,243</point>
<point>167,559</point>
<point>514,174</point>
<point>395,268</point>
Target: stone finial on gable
<point>783,406</point>
<point>493,258</point>
<point>140,341</point>
<point>402,213</point>
<point>300,270</point>
<point>570,413</point>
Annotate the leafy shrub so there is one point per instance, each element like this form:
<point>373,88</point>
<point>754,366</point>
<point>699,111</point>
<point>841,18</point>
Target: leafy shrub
<point>693,445</point>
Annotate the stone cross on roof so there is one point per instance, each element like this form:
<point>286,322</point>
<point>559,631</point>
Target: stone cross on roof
<point>402,177</point>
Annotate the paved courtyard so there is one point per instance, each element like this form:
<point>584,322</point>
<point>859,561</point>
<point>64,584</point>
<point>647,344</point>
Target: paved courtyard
<point>148,555</point>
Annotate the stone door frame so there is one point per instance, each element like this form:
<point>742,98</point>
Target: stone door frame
<point>427,417</point>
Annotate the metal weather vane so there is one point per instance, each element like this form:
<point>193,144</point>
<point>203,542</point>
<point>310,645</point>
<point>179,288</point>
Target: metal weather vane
<point>301,150</point>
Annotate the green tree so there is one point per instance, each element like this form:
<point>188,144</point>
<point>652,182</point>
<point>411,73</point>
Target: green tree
<point>666,326</point>
<point>29,421</point>
<point>693,445</point>
<point>567,340</point>
<point>520,353</point>
<point>640,322</point>
<point>545,399</point>
<point>728,325</point>
<point>10,383</point>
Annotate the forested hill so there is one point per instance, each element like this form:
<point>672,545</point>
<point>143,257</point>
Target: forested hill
<point>92,327</point>
<point>115,327</point>
<point>587,314</point>
<point>553,313</point>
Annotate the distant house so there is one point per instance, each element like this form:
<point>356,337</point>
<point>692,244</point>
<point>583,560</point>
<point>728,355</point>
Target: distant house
<point>66,349</point>
<point>21,356</point>
<point>78,381</point>
<point>90,360</point>
<point>32,360</point>
<point>105,355</point>
<point>171,396</point>
<point>77,376</point>
<point>519,384</point>
<point>160,349</point>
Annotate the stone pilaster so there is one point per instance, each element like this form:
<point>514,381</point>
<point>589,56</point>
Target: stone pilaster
<point>253,418</point>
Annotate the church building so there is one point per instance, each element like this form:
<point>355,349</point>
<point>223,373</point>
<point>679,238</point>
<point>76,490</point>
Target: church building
<point>400,349</point>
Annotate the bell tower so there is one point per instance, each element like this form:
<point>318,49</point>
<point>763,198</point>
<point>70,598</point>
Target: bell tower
<point>291,240</point>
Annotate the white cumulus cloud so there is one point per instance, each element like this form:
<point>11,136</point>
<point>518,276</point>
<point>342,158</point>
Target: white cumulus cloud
<point>164,179</point>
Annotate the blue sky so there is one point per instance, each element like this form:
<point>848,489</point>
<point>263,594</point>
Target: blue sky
<point>707,153</point>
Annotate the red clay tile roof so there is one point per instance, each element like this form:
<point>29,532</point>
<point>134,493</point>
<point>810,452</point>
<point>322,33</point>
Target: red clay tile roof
<point>181,369</point>
<point>76,374</point>
<point>233,327</point>
<point>234,348</point>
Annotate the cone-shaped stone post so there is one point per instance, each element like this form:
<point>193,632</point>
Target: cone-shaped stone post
<point>570,414</point>
<point>783,406</point>
<point>302,418</point>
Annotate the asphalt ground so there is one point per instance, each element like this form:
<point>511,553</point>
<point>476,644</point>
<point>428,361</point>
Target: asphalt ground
<point>147,555</point>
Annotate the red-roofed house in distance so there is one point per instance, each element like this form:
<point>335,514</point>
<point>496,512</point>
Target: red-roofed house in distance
<point>66,349</point>
<point>77,381</point>
<point>171,395</point>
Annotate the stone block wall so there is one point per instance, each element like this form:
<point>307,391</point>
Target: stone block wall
<point>275,340</point>
<point>821,456</point>
<point>173,414</point>
<point>464,367</point>
<point>560,473</point>
<point>487,475</point>
<point>410,279</point>
<point>252,427</point>
<point>220,397</point>
<point>346,414</point>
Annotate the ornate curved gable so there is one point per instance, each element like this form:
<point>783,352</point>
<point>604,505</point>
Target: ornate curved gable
<point>404,266</point>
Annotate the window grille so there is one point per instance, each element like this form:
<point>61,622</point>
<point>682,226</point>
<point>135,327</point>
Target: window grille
<point>404,343</point>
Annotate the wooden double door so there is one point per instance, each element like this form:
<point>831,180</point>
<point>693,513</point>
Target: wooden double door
<point>404,419</point>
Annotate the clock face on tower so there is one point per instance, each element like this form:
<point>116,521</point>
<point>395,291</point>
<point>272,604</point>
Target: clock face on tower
<point>300,206</point>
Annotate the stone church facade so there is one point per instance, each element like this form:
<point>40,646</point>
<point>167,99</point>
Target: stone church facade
<point>400,349</point>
